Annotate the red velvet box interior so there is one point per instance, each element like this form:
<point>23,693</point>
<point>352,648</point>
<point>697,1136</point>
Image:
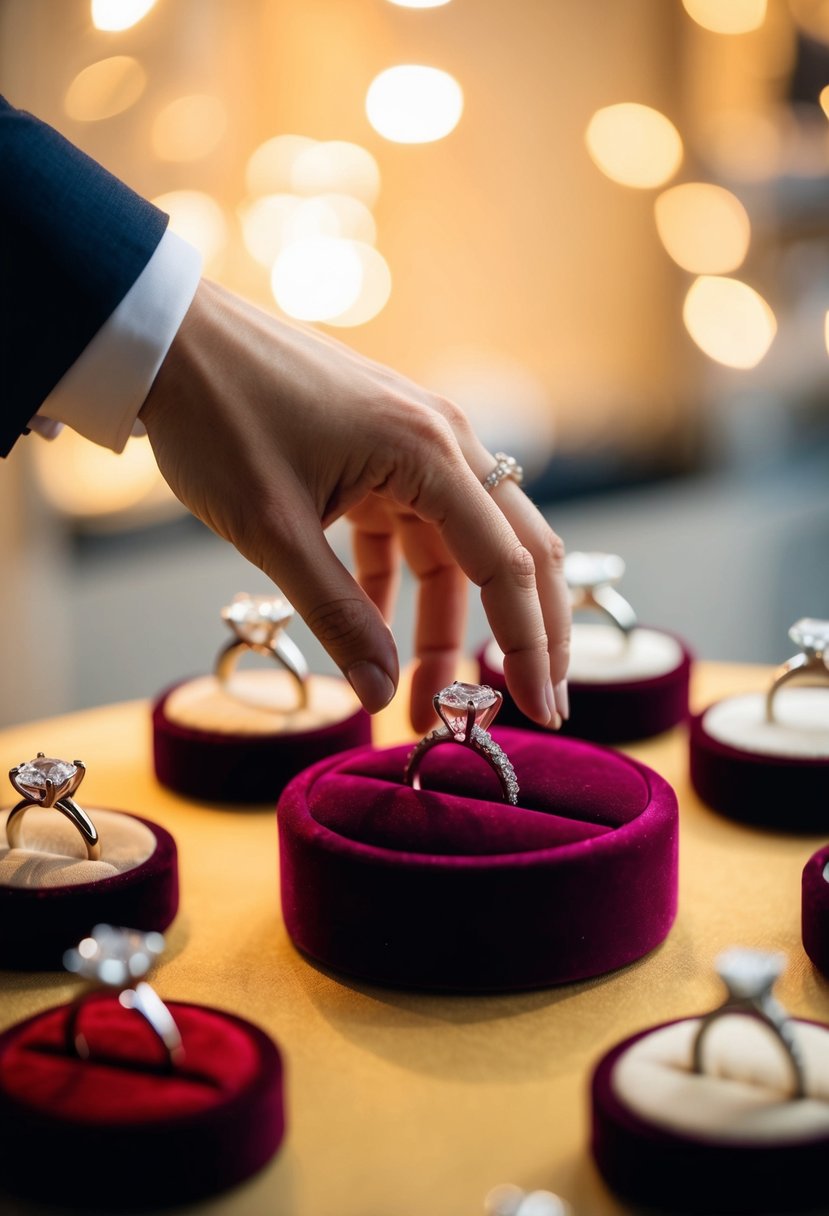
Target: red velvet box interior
<point>449,888</point>
<point>116,1131</point>
<point>615,712</point>
<point>37,924</point>
<point>660,1168</point>
<point>786,792</point>
<point>216,767</point>
<point>815,910</point>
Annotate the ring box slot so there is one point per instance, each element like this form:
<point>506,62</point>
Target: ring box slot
<point>448,888</point>
<point>51,895</point>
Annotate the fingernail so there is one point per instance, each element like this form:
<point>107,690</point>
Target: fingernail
<point>555,720</point>
<point>372,685</point>
<point>563,699</point>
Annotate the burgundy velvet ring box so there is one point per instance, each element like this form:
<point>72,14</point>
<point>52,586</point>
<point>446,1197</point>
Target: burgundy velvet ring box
<point>51,895</point>
<point>621,688</point>
<point>774,774</point>
<point>118,1131</point>
<point>729,1140</point>
<point>449,888</point>
<point>815,909</point>
<point>216,747</point>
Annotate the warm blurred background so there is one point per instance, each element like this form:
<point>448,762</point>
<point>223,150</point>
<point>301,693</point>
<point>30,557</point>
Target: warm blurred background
<point>603,228</point>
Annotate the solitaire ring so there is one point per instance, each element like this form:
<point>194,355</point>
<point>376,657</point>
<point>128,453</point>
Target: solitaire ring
<point>116,960</point>
<point>46,782</point>
<point>749,976</point>
<point>505,466</point>
<point>258,623</point>
<point>591,578</point>
<point>812,636</point>
<point>466,711</point>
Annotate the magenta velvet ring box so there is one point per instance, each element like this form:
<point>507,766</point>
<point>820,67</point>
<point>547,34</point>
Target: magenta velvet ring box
<point>449,888</point>
<point>733,1137</point>
<point>51,894</point>
<point>621,688</point>
<point>815,909</point>
<point>116,1131</point>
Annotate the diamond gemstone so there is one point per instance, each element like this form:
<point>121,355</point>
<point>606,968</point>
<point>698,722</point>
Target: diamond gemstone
<point>583,570</point>
<point>32,777</point>
<point>749,974</point>
<point>811,635</point>
<point>455,700</point>
<point>114,956</point>
<point>255,618</point>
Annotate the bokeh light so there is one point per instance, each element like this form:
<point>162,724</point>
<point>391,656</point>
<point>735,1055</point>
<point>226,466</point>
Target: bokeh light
<point>197,218</point>
<point>270,167</point>
<point>119,14</point>
<point>189,127</point>
<point>375,288</point>
<point>412,104</point>
<point>105,88</point>
<point>634,145</point>
<point>703,227</point>
<point>317,278</point>
<point>336,167</point>
<point>727,16</point>
<point>729,321</point>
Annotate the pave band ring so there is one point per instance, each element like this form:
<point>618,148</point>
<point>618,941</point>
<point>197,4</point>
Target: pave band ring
<point>116,960</point>
<point>591,578</point>
<point>45,782</point>
<point>812,664</point>
<point>466,711</point>
<point>258,623</point>
<point>505,466</point>
<point>749,976</point>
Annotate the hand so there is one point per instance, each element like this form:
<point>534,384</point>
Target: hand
<point>269,432</point>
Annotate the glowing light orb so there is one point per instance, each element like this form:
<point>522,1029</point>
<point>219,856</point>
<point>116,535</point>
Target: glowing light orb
<point>119,14</point>
<point>727,16</point>
<point>269,168</point>
<point>189,127</point>
<point>317,278</point>
<point>729,321</point>
<point>634,145</point>
<point>197,218</point>
<point>336,167</point>
<point>704,228</point>
<point>411,104</point>
<point>105,88</point>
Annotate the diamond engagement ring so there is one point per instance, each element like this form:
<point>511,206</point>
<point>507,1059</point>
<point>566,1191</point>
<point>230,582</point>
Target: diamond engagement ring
<point>591,578</point>
<point>116,960</point>
<point>812,636</point>
<point>505,466</point>
<point>749,976</point>
<point>46,782</point>
<point>258,623</point>
<point>466,711</point>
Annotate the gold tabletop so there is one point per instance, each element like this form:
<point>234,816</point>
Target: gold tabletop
<point>402,1104</point>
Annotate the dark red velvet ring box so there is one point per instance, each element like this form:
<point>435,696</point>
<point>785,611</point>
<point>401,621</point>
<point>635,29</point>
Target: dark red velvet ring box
<point>38,923</point>
<point>815,909</point>
<point>117,1132</point>
<point>448,888</point>
<point>786,792</point>
<point>658,1167</point>
<point>611,712</point>
<point>214,766</point>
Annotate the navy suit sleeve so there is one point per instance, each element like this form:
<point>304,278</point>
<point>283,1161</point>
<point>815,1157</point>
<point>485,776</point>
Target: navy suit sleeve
<point>74,240</point>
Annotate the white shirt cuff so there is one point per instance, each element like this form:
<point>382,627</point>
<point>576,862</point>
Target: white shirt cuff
<point>101,393</point>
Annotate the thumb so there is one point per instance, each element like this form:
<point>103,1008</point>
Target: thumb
<point>335,609</point>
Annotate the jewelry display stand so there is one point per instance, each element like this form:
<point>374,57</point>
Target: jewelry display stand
<point>450,888</point>
<point>815,909</point>
<point>774,774</point>
<point>119,1130</point>
<point>621,687</point>
<point>728,1113</point>
<point>51,894</point>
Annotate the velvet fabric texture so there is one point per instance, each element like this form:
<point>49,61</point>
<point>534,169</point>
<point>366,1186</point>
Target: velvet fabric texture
<point>38,924</point>
<point>657,1167</point>
<point>608,713</point>
<point>117,1131</point>
<point>815,910</point>
<point>788,793</point>
<point>449,888</point>
<point>214,767</point>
